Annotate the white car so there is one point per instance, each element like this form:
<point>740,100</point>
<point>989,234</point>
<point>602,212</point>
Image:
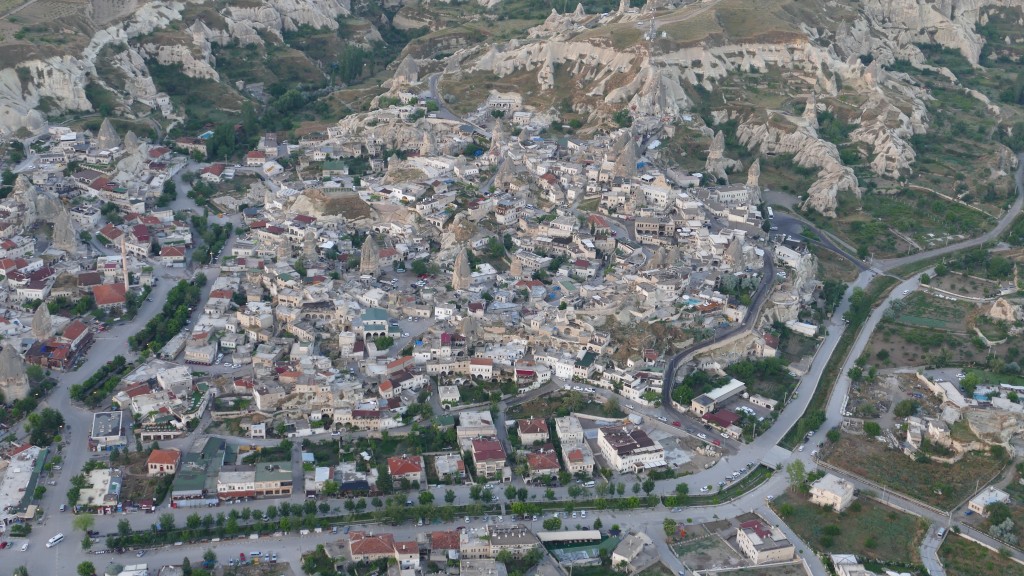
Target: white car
<point>583,514</point>
<point>702,436</point>
<point>801,448</point>
<point>705,489</point>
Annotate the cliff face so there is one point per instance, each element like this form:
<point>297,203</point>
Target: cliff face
<point>62,79</point>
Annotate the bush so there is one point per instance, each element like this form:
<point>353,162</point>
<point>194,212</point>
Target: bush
<point>872,429</point>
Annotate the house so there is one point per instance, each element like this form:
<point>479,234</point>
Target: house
<point>107,431</point>
<point>630,547</point>
<point>568,429</point>
<point>407,467</point>
<point>488,457</point>
<point>172,255</point>
<point>109,296</point>
<point>449,395</point>
<point>533,430</point>
<point>212,173</point>
<point>833,492</point>
<point>627,448</point>
<point>516,539</point>
<point>255,159</point>
<point>762,544</point>
<point>162,462</point>
<point>542,463</point>
<point>980,503</point>
<point>363,546</point>
<point>578,458</point>
<point>450,467</point>
<point>474,425</point>
<point>444,546</point>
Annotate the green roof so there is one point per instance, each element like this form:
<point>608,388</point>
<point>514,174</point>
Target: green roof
<point>273,471</point>
<point>334,165</point>
<point>375,314</point>
<point>587,360</point>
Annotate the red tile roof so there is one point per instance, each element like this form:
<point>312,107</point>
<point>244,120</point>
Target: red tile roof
<point>487,449</point>
<point>542,461</point>
<point>167,457</point>
<point>361,543</point>
<point>75,329</point>
<point>402,465</point>
<point>533,426</point>
<point>108,294</point>
<point>444,540</point>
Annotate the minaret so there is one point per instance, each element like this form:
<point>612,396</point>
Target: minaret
<point>124,262</point>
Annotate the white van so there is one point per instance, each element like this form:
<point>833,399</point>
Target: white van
<point>55,540</point>
<point>589,484</point>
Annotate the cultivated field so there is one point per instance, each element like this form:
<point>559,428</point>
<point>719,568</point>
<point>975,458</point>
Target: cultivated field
<point>941,485</point>
<point>961,557</point>
<point>867,529</point>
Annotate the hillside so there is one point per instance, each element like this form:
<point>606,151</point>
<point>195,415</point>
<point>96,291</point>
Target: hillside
<point>850,106</point>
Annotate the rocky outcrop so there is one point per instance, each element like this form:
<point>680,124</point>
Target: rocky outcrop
<point>13,377</point>
<point>62,79</point>
<point>543,56</point>
<point>107,137</point>
<point>781,134</point>
<point>42,322</point>
<point>64,236</point>
<point>716,163</point>
<point>193,62</point>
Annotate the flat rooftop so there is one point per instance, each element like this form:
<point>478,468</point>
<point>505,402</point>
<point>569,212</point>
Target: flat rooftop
<point>106,424</point>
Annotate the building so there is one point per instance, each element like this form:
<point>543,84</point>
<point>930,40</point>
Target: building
<point>263,480</point>
<point>516,539</point>
<point>107,431</point>
<point>408,468</point>
<point>980,503</point>
<point>162,462</point>
<point>532,430</point>
<point>450,467</point>
<point>542,463</point>
<point>833,492</point>
<point>109,296</point>
<point>448,395</point>
<point>363,546</point>
<point>707,402</point>
<point>481,567</point>
<point>578,458</point>
<point>630,547</point>
<point>762,544</point>
<point>474,425</point>
<point>488,457</point>
<point>568,429</point>
<point>627,448</point>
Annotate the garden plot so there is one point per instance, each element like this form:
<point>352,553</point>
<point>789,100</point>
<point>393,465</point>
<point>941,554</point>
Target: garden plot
<point>928,311</point>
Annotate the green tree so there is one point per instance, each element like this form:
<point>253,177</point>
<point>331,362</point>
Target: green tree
<point>186,567</point>
<point>331,488</point>
<point>872,429</point>
<point>209,557</point>
<point>166,521</point>
<point>833,435</point>
<point>449,496</point>
<point>598,524</point>
<point>648,486</point>
<point>83,522</point>
<point>124,527</point>
<point>86,569</point>
<point>549,494</point>
<point>797,473</point>
<point>670,526</point>
<point>551,524</point>
<point>905,408</point>
<point>682,491</point>
<point>510,492</point>
<point>426,498</point>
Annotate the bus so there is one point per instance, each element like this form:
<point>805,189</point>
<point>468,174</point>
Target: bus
<point>55,540</point>
<point>771,213</point>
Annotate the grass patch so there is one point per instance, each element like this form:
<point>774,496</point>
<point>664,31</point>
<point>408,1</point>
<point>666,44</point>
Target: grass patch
<point>924,310</point>
<point>961,557</point>
<point>940,485</point>
<point>867,529</point>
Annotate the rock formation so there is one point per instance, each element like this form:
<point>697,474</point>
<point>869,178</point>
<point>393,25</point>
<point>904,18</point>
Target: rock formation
<point>309,244</point>
<point>408,72</point>
<point>64,237</point>
<point>107,137</point>
<point>369,257</point>
<point>461,276</point>
<point>717,164</point>
<point>1002,310</point>
<point>13,377</point>
<point>42,323</point>
<point>754,174</point>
